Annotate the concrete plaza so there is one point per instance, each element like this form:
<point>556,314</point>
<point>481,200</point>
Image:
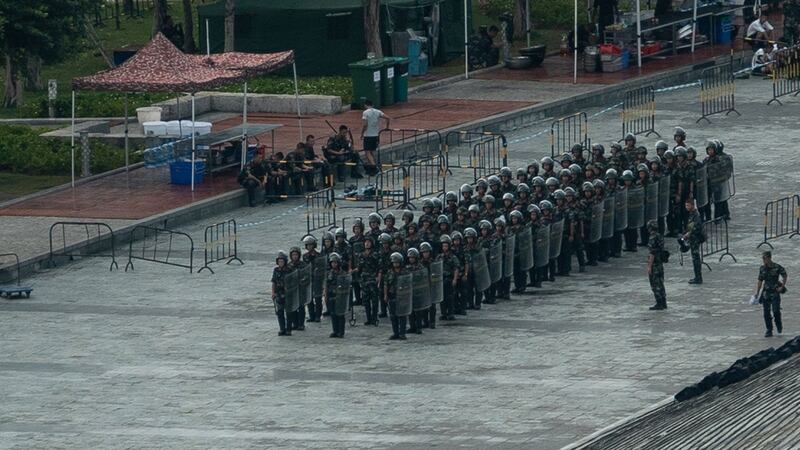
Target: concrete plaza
<point>160,358</point>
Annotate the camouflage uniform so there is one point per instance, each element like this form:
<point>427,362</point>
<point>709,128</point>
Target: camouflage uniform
<point>771,299</point>
<point>696,237</point>
<point>655,243</point>
<point>450,265</point>
<point>398,323</point>
<point>315,305</point>
<point>279,285</point>
<point>368,266</point>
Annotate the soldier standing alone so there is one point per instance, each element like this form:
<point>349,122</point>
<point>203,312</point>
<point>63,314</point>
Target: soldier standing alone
<point>655,265</point>
<point>279,294</point>
<point>769,276</point>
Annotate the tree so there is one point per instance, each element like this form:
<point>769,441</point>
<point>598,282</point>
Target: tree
<point>188,27</point>
<point>44,31</point>
<point>230,18</point>
<point>159,15</point>
<point>520,25</point>
<point>372,26</point>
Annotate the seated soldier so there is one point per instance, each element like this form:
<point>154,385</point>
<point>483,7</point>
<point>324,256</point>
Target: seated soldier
<point>277,171</point>
<point>338,151</point>
<point>321,167</point>
<point>301,173</point>
<point>252,177</point>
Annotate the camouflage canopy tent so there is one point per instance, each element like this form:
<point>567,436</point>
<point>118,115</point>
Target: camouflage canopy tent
<point>161,67</point>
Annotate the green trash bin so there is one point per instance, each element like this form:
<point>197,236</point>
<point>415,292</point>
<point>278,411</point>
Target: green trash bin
<point>367,75</point>
<point>400,79</point>
<point>387,81</point>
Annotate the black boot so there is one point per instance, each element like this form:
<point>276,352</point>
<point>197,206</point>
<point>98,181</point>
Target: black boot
<point>401,327</point>
<point>282,323</point>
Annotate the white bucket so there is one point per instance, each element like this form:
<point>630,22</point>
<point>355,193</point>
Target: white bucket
<point>149,114</point>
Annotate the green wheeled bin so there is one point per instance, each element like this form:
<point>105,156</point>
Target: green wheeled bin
<point>367,75</point>
<point>400,79</point>
<point>387,81</point>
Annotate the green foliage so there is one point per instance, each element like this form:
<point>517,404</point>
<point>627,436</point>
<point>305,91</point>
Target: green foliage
<point>90,104</point>
<point>557,14</point>
<point>23,151</point>
<point>272,84</point>
<point>494,8</point>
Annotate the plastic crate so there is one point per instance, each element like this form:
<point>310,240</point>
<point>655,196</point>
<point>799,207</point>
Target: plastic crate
<point>180,171</point>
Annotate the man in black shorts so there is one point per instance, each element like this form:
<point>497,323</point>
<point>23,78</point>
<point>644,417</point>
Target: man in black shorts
<point>370,132</point>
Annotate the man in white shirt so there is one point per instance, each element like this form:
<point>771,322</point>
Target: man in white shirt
<point>762,60</point>
<point>370,132</point>
<point>760,31</point>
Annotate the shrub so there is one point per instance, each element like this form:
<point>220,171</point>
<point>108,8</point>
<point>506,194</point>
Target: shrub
<point>23,151</point>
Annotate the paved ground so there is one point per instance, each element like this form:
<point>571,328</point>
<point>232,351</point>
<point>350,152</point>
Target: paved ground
<point>164,358</point>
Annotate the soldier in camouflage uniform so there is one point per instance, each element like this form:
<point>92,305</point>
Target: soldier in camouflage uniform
<point>617,161</point>
<point>451,205</point>
<point>522,176</point>
<point>655,265</point>
<point>481,188</point>
<point>368,269</point>
<point>656,173</point>
<point>486,241</point>
<point>407,218</point>
<point>533,171</point>
<point>549,216</point>
<point>473,249</point>
<point>385,265</point>
<point>503,286</point>
<point>585,205</point>
<point>296,262</point>
<point>629,181</point>
<point>426,258</point>
<point>548,167</point>
<point>334,271</point>
<point>604,245</point>
<point>506,186</point>
<point>390,295</point>
<point>342,248</point>
<point>523,197</point>
<point>507,207</point>
<point>328,247</point>
<point>671,169</point>
<point>643,179</point>
<point>615,243</point>
<point>356,245</point>
<point>460,220</point>
<point>460,301</point>
<point>694,236</point>
<point>279,293</point>
<point>769,276</point>
<point>490,211</point>
<point>451,267</point>
<point>412,264</point>
<point>598,158</point>
<point>473,216</point>
<point>412,238</point>
<point>534,215</point>
<point>389,226</point>
<point>374,220</point>
<point>520,276</point>
<point>315,305</point>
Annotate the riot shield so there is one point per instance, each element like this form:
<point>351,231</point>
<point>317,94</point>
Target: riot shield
<point>404,295</point>
<point>342,293</point>
<point>436,270</point>
<point>509,249</point>
<point>608,216</point>
<point>663,195</point>
<point>596,226</point>
<point>421,289</point>
<point>304,284</point>
<point>556,233</point>
<point>701,186</point>
<point>621,210</point>
<point>524,252</point>
<point>496,261</point>
<point>292,290</point>
<point>651,202</point>
<point>318,266</point>
<point>635,207</point>
<point>480,270</point>
<point>719,179</point>
<point>541,248</point>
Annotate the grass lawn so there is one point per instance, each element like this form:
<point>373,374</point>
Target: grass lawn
<point>14,185</point>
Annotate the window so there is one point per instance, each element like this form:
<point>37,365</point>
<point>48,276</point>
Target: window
<point>338,25</point>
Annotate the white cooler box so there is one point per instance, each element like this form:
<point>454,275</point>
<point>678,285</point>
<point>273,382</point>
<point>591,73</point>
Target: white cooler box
<point>155,128</point>
<point>184,128</point>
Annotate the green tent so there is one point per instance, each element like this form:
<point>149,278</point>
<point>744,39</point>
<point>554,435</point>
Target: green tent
<point>326,35</point>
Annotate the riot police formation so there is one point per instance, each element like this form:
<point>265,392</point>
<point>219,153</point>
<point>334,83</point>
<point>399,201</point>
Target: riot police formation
<point>506,234</point>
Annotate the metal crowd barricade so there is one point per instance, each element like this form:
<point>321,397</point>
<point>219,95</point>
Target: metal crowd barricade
<point>92,231</point>
<point>717,91</point>
<point>717,241</point>
<point>320,210</point>
<point>13,290</point>
<point>785,73</point>
<point>220,242</point>
<point>426,177</point>
<point>392,188</point>
<point>639,112</point>
<point>409,144</point>
<point>459,148</point>
<point>489,156</point>
<point>568,131</point>
<point>156,246</point>
<point>781,218</point>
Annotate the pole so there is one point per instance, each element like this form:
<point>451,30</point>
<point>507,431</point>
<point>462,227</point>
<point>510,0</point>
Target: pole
<point>466,42</point>
<point>127,158</point>
<point>208,41</point>
<point>72,139</point>
<point>528,20</point>
<point>244,127</point>
<point>192,141</point>
<point>694,23</point>
<point>575,47</point>
<point>297,101</point>
<point>639,32</point>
